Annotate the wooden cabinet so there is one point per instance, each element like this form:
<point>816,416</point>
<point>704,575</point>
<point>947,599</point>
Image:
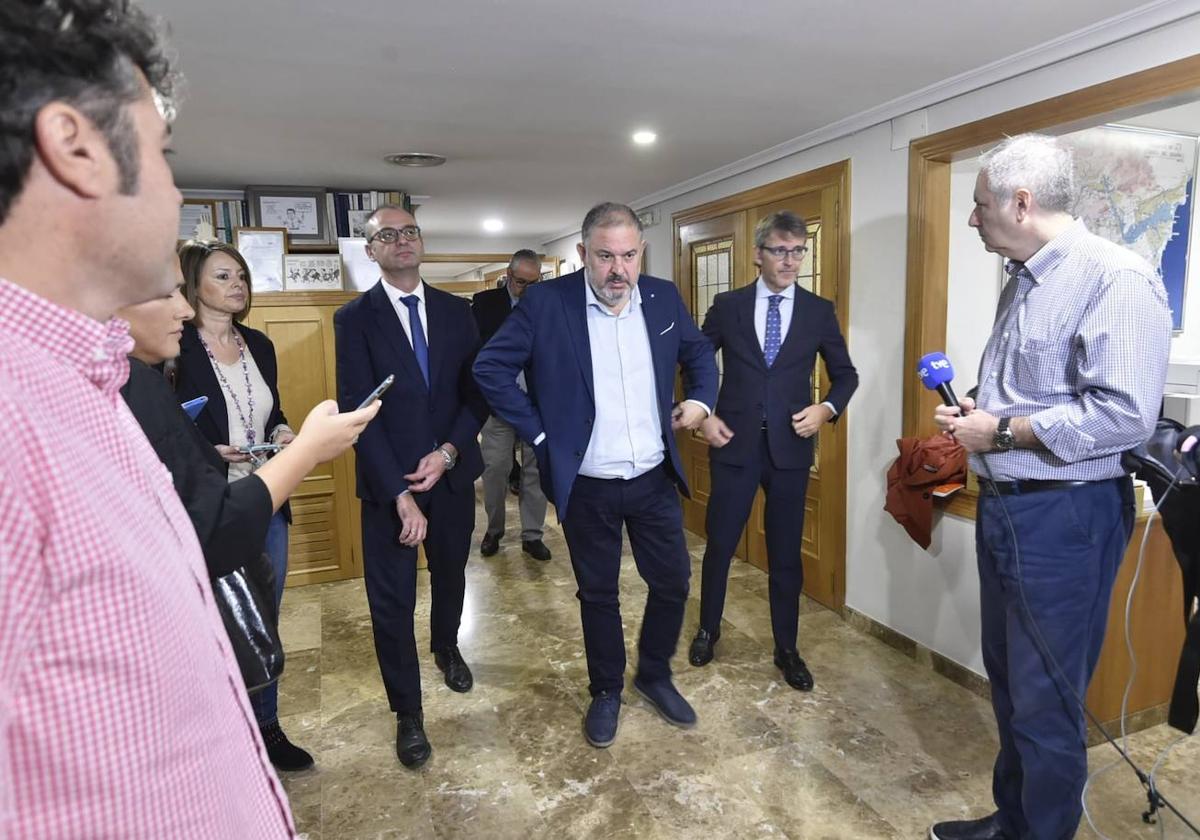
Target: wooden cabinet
<point>325,540</point>
<point>1157,631</point>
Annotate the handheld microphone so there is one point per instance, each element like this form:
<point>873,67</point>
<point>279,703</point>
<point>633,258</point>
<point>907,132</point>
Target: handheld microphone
<point>936,372</point>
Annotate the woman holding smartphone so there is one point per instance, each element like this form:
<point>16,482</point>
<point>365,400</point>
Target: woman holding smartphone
<point>235,367</point>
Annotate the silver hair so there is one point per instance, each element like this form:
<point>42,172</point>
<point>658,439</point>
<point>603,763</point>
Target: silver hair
<point>1043,165</point>
<point>525,255</point>
<point>609,214</point>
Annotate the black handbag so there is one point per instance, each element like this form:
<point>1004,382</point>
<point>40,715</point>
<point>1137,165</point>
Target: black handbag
<point>252,623</point>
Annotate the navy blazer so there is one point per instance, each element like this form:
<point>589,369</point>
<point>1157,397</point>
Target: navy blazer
<point>547,335</point>
<point>414,419</point>
<point>750,391</point>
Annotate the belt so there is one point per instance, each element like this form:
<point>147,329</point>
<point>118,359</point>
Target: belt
<point>1017,488</point>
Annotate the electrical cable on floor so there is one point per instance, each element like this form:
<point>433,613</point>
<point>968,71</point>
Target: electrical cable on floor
<point>1156,799</point>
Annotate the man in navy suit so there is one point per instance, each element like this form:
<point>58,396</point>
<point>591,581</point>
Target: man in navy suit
<point>417,465</point>
<point>491,308</point>
<point>600,348</point>
<point>770,334</point>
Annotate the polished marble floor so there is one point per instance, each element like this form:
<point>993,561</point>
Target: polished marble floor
<point>880,749</point>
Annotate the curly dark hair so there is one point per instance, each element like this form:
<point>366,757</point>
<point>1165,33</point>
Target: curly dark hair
<point>87,53</point>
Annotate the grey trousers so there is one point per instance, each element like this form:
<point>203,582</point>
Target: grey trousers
<point>497,441</point>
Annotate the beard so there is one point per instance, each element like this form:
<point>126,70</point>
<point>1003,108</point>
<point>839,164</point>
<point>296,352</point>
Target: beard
<point>611,297</point>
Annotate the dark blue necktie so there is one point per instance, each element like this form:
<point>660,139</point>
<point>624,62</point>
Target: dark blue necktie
<point>771,340</point>
<point>420,348</point>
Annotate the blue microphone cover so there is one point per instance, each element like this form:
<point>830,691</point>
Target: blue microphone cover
<point>934,369</point>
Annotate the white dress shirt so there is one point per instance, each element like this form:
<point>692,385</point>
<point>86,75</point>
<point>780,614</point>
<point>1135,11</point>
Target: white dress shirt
<point>627,435</point>
<point>394,295</point>
<point>762,293</point>
<point>762,302</point>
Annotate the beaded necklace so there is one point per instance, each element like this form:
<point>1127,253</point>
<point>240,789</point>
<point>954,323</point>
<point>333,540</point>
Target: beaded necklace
<point>247,417</point>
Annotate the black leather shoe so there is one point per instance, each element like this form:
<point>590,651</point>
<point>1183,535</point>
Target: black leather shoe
<point>795,672</point>
<point>536,549</point>
<point>412,747</point>
<point>458,675</point>
<point>489,545</point>
<point>987,828</point>
<point>283,753</point>
<point>701,651</point>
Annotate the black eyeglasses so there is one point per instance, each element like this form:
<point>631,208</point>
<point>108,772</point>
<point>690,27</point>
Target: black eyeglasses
<point>779,252</point>
<point>389,235</point>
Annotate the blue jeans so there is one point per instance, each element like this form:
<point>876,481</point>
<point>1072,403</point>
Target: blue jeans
<point>1071,545</point>
<point>266,702</point>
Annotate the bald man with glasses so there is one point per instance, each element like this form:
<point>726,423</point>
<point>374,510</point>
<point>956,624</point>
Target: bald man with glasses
<point>417,464</point>
<point>769,335</point>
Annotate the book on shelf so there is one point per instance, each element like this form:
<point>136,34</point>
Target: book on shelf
<point>348,210</point>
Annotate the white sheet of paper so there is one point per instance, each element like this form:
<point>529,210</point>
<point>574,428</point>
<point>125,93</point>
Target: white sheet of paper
<point>359,271</point>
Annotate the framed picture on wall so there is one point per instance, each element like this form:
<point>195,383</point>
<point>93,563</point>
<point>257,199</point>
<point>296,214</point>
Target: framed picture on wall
<point>197,219</point>
<point>298,210</point>
<point>263,248</point>
<point>312,273</point>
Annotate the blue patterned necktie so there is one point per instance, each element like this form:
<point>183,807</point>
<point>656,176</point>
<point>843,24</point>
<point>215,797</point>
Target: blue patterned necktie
<point>420,348</point>
<point>771,340</point>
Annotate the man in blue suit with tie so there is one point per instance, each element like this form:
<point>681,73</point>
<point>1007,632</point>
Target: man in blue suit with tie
<point>770,334</point>
<point>417,464</point>
<point>599,348</point>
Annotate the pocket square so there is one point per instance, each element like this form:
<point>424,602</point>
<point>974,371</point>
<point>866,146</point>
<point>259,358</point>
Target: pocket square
<point>668,329</point>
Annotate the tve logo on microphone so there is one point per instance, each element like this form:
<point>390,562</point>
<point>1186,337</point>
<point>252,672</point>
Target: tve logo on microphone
<point>934,369</point>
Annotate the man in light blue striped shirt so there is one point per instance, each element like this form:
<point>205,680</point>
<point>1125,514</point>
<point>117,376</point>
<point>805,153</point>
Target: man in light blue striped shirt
<point>1072,375</point>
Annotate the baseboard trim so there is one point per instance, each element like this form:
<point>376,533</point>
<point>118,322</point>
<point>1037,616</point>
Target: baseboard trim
<point>976,684</point>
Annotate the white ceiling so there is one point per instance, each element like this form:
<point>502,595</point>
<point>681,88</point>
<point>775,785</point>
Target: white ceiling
<point>534,101</point>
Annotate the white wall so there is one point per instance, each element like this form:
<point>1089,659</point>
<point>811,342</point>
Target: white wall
<point>932,596</point>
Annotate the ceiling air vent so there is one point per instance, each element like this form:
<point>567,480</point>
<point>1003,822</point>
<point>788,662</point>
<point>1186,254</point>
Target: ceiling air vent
<point>415,159</point>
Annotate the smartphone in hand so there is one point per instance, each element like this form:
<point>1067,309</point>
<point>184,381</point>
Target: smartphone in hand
<point>378,392</point>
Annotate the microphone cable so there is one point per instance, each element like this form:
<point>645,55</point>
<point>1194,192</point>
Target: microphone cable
<point>1155,798</point>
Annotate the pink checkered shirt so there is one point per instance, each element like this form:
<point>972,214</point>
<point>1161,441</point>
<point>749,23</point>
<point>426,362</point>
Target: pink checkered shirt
<point>122,711</point>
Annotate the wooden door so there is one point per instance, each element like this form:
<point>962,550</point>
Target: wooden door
<point>823,521</point>
<point>727,225</point>
<point>710,265</point>
<point>324,542</point>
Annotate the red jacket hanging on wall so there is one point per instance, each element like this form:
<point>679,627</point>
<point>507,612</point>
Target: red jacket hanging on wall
<point>923,465</point>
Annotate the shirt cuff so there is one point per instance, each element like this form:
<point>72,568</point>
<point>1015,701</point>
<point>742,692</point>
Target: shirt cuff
<point>537,440</point>
<point>1053,428</point>
<point>829,405</point>
<point>707,410</point>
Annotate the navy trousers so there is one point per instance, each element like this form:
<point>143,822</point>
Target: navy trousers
<point>1070,542</point>
<point>732,496</point>
<point>648,506</point>
<point>390,574</point>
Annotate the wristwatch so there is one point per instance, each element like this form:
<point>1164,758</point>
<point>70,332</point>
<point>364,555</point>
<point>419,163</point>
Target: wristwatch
<point>447,457</point>
<point>1004,440</point>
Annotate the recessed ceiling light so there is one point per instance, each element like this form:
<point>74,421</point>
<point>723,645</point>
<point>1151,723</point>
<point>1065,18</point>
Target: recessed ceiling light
<point>415,159</point>
<point>644,138</point>
<point>493,225</point>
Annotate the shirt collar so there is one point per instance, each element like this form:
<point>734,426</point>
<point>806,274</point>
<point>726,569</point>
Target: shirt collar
<point>1052,253</point>
<point>590,299</point>
<point>98,350</point>
<point>764,291</point>
<point>395,294</point>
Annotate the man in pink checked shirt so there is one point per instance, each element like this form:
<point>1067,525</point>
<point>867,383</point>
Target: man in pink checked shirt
<point>122,711</point>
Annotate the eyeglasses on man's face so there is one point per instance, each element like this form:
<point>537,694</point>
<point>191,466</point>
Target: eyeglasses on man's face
<point>781,252</point>
<point>389,235</point>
